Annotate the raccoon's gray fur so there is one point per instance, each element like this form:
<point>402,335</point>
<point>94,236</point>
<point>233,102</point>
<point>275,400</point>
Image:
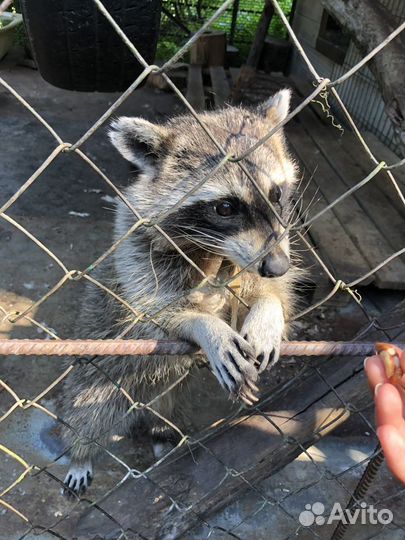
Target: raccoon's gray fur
<point>225,216</point>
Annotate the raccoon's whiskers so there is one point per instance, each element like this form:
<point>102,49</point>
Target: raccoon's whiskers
<point>303,213</point>
<point>203,245</point>
<point>202,232</point>
<point>300,198</point>
<point>202,239</point>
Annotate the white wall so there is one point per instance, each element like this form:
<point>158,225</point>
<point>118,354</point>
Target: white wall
<point>306,23</point>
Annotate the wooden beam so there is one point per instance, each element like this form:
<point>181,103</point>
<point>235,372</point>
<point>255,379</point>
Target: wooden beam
<point>195,88</point>
<point>235,12</point>
<point>332,242</point>
<point>220,85</point>
<point>248,70</point>
<point>209,49</point>
<point>261,32</point>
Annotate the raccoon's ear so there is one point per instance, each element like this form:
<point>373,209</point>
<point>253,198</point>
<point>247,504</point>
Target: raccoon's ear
<point>276,108</point>
<point>137,140</point>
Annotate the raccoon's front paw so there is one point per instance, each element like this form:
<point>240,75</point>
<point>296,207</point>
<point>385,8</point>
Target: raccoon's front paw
<point>263,329</point>
<point>78,479</point>
<point>232,360</point>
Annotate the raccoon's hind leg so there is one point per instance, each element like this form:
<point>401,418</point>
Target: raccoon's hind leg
<point>164,439</point>
<point>164,436</point>
<point>95,415</point>
<point>83,454</point>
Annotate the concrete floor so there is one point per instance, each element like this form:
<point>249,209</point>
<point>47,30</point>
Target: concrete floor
<point>69,209</point>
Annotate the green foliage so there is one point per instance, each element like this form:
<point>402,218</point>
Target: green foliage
<point>166,49</point>
<point>193,13</point>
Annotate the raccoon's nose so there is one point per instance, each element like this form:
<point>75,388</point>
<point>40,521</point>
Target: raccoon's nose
<point>274,265</point>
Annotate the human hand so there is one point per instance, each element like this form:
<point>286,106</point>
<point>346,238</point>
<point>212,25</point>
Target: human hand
<point>385,372</point>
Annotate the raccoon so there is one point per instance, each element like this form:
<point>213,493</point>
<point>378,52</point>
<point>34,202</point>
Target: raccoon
<point>227,220</point>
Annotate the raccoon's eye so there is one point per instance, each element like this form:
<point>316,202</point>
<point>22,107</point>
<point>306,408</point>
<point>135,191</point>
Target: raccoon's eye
<point>225,209</point>
<point>275,194</point>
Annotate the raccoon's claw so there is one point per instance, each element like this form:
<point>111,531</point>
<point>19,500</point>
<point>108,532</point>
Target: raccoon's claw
<point>248,397</point>
<point>268,359</point>
<point>233,365</point>
<point>78,479</point>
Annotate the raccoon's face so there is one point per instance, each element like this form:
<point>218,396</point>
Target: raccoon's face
<point>243,231</point>
<point>227,214</point>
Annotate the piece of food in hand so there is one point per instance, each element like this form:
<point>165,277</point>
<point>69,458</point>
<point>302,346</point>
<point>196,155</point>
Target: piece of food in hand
<point>392,363</point>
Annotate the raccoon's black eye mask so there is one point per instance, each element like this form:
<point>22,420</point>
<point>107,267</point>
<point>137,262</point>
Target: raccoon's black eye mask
<point>225,216</point>
<point>231,207</point>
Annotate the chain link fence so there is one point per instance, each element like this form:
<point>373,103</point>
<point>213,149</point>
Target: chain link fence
<point>236,456</point>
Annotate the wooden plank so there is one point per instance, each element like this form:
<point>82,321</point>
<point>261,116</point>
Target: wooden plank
<point>195,88</point>
<point>260,35</point>
<point>362,161</point>
<point>382,152</point>
<point>333,244</point>
<point>234,72</point>
<point>220,85</point>
<point>352,165</point>
<point>368,239</point>
<point>209,49</point>
<point>247,72</point>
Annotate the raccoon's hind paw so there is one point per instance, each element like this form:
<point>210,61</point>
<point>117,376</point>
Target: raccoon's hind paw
<point>78,479</point>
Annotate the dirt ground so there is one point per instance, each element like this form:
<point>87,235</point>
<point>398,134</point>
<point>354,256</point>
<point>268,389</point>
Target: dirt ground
<point>69,209</point>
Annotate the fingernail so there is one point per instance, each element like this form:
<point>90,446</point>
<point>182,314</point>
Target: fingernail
<point>365,361</point>
<point>377,388</point>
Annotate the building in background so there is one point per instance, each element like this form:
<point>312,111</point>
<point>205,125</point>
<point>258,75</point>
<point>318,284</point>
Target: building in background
<point>333,53</point>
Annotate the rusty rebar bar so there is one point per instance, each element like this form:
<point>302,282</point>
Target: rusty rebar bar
<point>146,347</point>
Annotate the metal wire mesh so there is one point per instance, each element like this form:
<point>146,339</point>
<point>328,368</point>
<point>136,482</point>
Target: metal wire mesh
<point>337,395</point>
